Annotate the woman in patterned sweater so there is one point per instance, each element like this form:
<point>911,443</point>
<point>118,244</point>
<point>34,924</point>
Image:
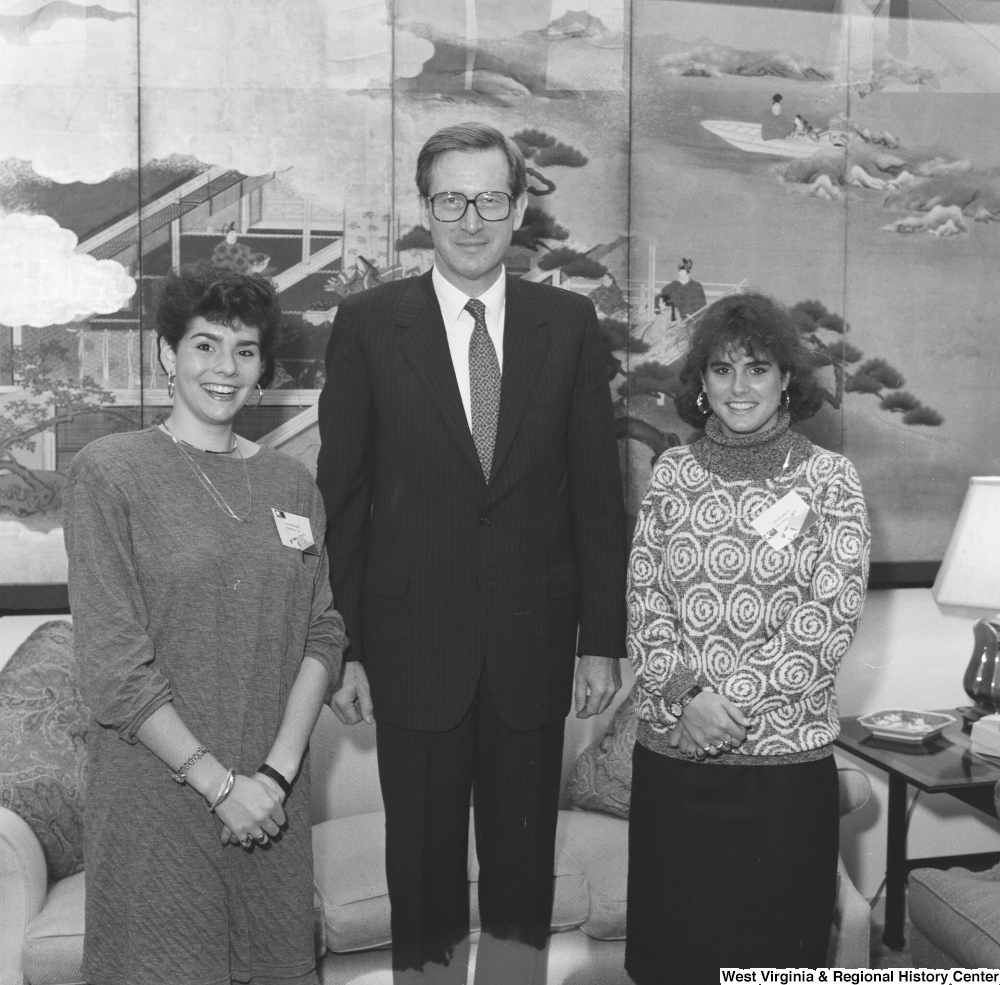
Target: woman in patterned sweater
<point>746,581</point>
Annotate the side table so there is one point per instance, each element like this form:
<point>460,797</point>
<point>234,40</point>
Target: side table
<point>943,764</point>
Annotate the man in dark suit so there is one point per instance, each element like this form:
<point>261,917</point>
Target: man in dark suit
<point>477,543</point>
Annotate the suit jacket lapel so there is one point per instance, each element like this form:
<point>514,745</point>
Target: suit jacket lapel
<point>425,344</point>
<point>524,347</point>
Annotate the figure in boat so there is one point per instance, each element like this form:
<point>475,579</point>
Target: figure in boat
<point>773,125</point>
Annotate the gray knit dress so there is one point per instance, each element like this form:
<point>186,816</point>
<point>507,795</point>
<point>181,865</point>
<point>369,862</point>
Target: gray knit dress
<point>174,600</point>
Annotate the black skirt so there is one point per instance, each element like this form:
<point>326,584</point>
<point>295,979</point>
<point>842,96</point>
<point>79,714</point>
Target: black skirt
<point>729,867</point>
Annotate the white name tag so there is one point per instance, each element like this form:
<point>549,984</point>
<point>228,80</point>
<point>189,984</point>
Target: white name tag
<point>780,524</point>
<point>294,531</point>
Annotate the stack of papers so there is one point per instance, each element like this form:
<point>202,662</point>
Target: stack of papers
<point>986,735</point>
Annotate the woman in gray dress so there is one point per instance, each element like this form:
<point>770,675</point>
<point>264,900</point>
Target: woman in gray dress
<point>207,642</point>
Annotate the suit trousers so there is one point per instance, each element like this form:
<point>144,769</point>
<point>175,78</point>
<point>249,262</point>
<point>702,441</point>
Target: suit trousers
<point>427,781</point>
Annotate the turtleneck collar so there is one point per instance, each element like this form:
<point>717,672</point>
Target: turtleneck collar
<point>761,455</point>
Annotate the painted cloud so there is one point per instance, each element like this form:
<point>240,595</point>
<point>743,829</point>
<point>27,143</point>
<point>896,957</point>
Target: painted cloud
<point>273,87</point>
<point>46,282</point>
<point>359,46</point>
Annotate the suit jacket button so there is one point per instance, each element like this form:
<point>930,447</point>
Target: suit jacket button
<point>484,520</point>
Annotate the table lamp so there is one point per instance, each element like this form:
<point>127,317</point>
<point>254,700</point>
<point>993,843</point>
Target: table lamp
<point>968,584</point>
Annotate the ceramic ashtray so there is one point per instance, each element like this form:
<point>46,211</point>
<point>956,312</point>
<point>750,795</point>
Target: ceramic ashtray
<point>905,724</point>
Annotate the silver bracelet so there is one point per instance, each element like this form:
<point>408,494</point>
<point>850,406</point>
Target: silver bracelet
<point>181,775</point>
<point>224,790</point>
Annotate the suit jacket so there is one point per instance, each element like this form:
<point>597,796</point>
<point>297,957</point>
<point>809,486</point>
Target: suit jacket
<point>437,571</point>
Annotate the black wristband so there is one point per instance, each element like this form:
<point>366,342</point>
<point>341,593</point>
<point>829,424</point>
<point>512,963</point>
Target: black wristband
<point>277,777</point>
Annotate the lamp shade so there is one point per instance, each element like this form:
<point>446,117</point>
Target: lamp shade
<point>968,582</point>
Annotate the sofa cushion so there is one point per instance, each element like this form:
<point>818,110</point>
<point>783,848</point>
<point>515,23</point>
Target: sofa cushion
<point>601,778</point>
<point>349,876</point>
<point>349,872</point>
<point>959,912</point>
<point>43,753</point>
<point>599,844</point>
<point>53,942</point>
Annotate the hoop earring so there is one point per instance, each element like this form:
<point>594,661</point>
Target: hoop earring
<point>786,401</point>
<point>170,385</point>
<point>260,397</point>
<point>704,409</point>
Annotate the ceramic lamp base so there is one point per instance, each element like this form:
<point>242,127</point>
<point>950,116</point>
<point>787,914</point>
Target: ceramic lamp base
<point>970,715</point>
<point>982,676</point>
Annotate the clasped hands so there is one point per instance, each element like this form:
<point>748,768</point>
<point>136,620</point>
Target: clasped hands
<point>252,812</point>
<point>709,725</point>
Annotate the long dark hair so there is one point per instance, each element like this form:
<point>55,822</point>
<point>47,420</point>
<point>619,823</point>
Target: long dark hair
<point>759,327</point>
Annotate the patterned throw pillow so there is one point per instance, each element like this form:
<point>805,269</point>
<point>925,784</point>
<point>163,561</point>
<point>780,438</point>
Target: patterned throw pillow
<point>601,779</point>
<point>43,750</point>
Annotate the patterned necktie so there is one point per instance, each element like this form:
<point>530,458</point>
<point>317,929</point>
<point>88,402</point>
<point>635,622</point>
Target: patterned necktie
<point>484,385</point>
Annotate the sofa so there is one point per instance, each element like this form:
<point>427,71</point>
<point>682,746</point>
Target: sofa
<point>955,917</point>
<point>42,897</point>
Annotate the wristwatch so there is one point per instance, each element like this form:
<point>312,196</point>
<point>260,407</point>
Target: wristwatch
<point>677,707</point>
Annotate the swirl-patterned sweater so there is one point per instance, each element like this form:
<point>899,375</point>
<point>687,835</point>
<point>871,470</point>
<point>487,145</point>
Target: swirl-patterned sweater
<point>710,602</point>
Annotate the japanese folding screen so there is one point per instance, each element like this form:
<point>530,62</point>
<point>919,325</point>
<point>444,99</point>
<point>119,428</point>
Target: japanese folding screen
<point>840,155</point>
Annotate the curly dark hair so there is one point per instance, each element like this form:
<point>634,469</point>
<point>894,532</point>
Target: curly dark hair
<point>219,295</point>
<point>758,326</point>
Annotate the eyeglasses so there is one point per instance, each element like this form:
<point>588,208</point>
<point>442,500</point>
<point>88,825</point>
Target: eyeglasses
<point>452,206</point>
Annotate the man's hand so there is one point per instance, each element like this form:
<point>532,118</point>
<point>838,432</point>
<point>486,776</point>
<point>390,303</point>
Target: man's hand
<point>352,701</point>
<point>597,682</point>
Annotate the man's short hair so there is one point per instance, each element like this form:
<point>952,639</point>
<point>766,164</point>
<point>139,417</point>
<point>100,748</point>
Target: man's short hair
<point>471,136</point>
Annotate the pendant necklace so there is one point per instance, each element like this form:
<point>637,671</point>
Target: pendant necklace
<point>207,482</point>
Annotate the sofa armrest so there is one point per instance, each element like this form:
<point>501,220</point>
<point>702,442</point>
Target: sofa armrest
<point>850,943</point>
<point>855,790</point>
<point>23,886</point>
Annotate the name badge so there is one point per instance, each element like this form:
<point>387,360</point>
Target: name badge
<point>781,523</point>
<point>294,531</point>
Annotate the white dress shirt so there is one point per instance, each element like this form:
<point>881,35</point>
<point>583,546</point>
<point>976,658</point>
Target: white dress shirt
<point>458,323</point>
